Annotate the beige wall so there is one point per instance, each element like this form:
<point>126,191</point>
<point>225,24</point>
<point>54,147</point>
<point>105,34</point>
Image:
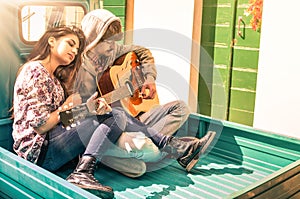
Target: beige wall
<point>277,106</point>
<point>169,25</point>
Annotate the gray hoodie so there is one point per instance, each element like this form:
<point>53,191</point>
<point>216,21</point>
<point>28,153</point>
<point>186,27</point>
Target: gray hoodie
<point>94,25</point>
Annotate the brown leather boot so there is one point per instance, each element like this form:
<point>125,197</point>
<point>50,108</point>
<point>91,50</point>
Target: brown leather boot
<point>83,177</point>
<point>187,150</point>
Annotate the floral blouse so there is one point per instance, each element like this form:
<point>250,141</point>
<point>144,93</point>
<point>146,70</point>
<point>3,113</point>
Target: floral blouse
<point>36,95</point>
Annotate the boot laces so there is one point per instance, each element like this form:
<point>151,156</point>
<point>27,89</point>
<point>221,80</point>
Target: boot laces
<point>93,177</point>
<point>91,171</point>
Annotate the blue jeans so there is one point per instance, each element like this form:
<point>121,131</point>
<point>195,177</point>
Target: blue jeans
<point>90,138</point>
<point>166,119</point>
<point>93,137</point>
<point>64,145</point>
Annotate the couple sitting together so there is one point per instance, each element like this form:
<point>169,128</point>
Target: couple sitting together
<point>61,72</point>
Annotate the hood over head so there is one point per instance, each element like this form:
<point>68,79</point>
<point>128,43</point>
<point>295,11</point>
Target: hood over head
<point>94,25</point>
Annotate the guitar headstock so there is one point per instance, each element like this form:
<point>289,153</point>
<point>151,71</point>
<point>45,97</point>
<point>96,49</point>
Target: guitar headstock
<point>71,118</point>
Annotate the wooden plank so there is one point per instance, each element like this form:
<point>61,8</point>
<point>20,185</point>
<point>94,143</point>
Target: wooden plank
<point>284,190</point>
<point>195,56</point>
<point>279,180</point>
<point>296,195</point>
<point>129,21</point>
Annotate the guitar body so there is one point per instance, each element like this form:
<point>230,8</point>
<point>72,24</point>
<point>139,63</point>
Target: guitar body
<point>126,69</point>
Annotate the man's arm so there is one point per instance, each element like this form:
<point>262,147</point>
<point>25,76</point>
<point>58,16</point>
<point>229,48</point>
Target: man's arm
<point>144,55</point>
<point>148,67</point>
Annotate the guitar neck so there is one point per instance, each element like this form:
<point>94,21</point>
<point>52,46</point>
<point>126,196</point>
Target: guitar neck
<point>70,117</point>
<point>111,97</point>
<point>119,93</point>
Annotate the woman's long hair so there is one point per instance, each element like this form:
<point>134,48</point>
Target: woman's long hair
<point>65,74</point>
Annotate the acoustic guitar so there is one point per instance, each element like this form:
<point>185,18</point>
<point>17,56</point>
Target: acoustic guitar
<point>71,118</point>
<point>119,85</point>
<point>125,69</point>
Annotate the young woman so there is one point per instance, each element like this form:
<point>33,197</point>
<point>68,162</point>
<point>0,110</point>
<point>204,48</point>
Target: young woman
<point>40,94</point>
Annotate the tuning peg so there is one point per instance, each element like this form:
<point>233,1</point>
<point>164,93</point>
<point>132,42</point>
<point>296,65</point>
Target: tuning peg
<point>68,128</point>
<point>68,112</point>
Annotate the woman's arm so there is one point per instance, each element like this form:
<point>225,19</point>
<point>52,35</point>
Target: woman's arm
<point>54,119</point>
<point>50,123</point>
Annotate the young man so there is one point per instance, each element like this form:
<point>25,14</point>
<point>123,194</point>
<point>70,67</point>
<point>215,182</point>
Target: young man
<point>102,30</point>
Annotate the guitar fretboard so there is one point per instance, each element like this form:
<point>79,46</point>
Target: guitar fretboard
<point>118,94</point>
<point>70,117</point>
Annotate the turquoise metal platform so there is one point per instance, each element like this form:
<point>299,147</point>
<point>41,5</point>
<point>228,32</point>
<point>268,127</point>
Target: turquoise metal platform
<point>244,161</point>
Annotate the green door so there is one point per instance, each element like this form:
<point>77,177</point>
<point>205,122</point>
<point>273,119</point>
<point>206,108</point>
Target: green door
<point>229,60</point>
<point>117,7</point>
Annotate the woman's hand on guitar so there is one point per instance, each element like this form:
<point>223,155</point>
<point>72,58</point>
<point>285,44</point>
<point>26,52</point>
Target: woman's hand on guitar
<point>72,101</point>
<point>97,106</point>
